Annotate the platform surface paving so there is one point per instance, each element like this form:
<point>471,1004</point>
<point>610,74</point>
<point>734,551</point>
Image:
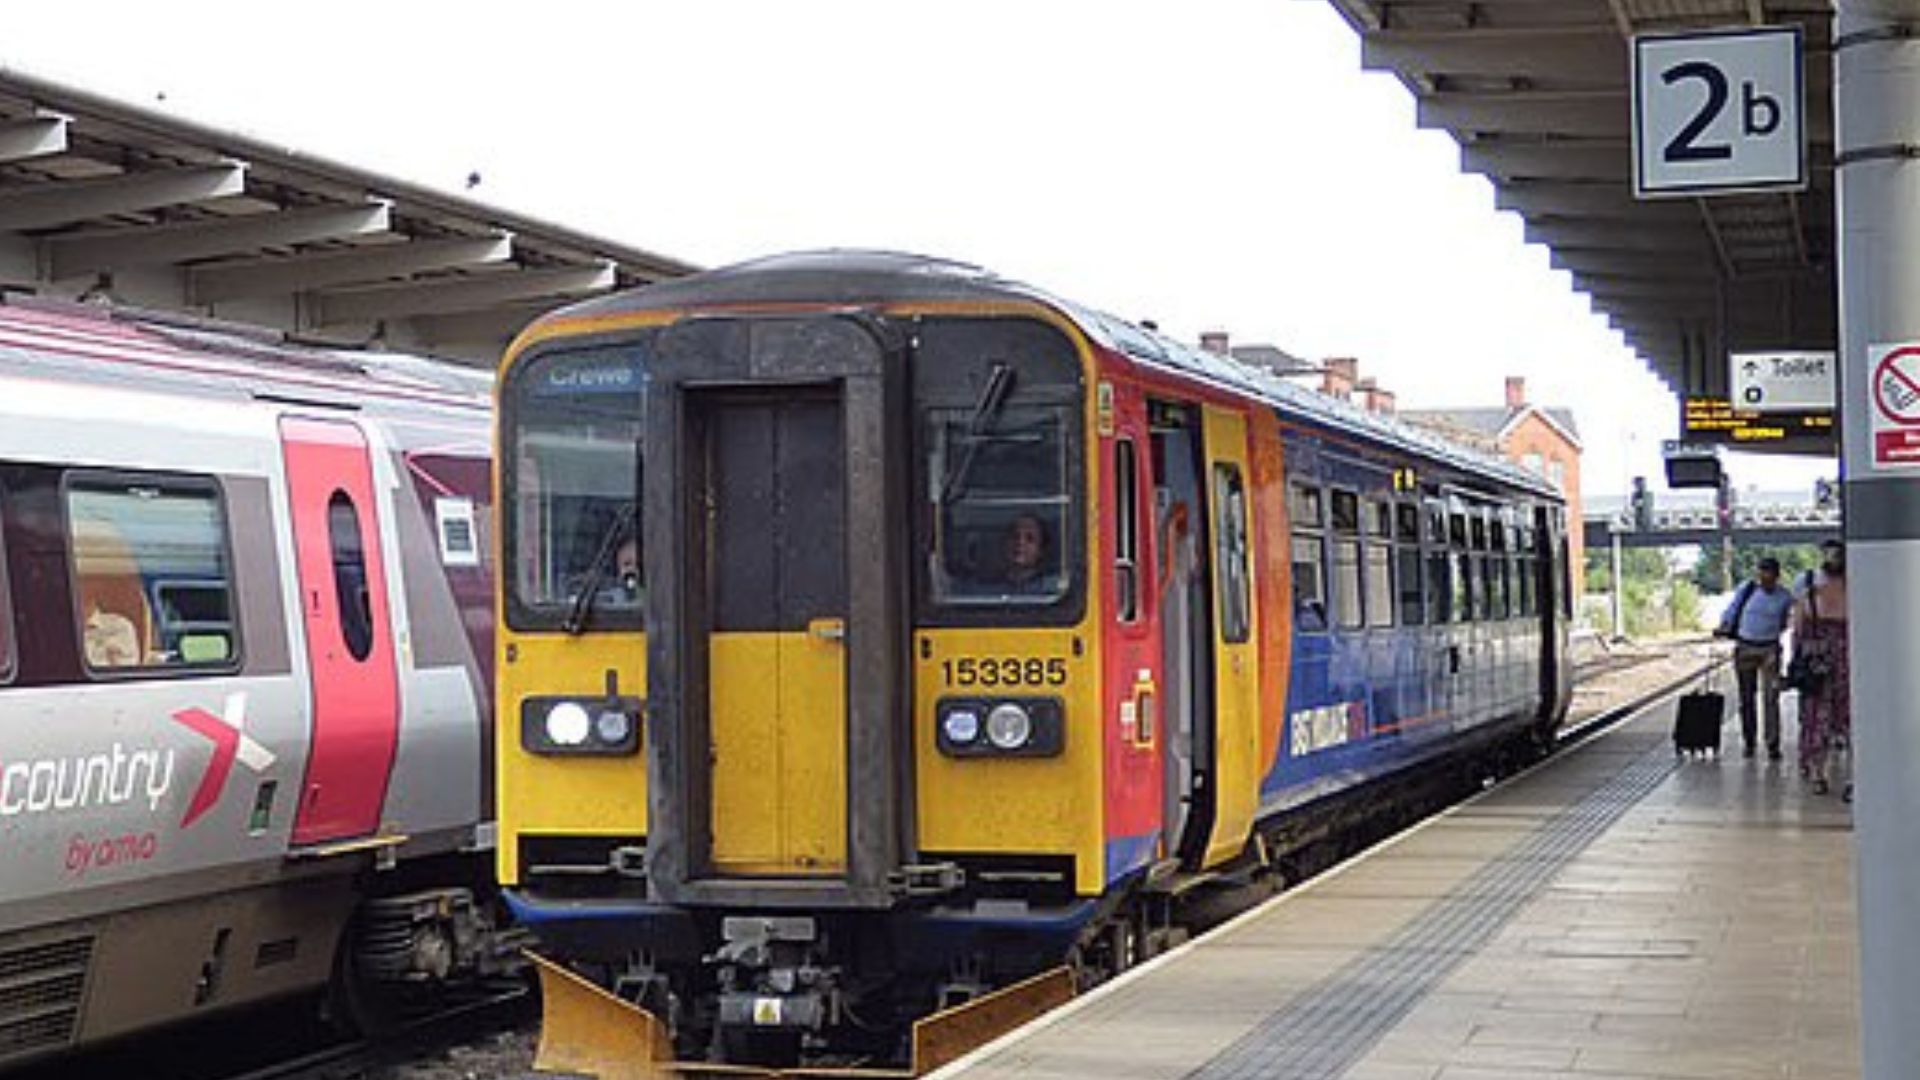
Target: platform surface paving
<point>1614,914</point>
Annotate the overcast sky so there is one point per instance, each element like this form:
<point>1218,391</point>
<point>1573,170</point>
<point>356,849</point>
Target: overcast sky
<point>1218,165</point>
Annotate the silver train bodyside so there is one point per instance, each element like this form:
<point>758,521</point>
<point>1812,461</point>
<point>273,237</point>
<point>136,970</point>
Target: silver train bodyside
<point>245,651</point>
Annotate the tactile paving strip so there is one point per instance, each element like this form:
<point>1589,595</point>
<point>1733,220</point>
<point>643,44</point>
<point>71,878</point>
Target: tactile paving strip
<point>1327,1028</point>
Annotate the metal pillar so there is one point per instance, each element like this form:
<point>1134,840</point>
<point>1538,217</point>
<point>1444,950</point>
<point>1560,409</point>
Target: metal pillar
<point>1619,587</point>
<point>1877,124</point>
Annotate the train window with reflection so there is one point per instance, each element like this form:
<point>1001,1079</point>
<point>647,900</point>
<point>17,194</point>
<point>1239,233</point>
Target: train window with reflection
<point>1380,597</point>
<point>1347,613</point>
<point>1346,512</point>
<point>1001,501</point>
<point>1379,519</point>
<point>1463,597</point>
<point>1309,584</point>
<point>7,656</point>
<point>350,588</point>
<point>151,577</point>
<point>1524,583</point>
<point>573,484</point>
<point>1439,587</point>
<point>1230,534</point>
<point>1303,504</point>
<point>1126,540</point>
<point>1413,610</point>
<point>1407,520</point>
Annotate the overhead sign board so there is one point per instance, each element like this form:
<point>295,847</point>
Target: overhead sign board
<point>1895,404</point>
<point>1770,382</point>
<point>1712,420</point>
<point>1718,112</point>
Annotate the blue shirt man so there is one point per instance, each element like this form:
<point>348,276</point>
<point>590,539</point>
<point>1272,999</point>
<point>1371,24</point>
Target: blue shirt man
<point>1755,620</point>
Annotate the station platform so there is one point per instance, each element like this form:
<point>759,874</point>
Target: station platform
<point>1615,913</point>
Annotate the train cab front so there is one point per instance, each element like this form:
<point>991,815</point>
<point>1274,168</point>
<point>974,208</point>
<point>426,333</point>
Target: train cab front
<point>793,609</point>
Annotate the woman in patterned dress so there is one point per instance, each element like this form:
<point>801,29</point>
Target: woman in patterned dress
<point>1820,634</point>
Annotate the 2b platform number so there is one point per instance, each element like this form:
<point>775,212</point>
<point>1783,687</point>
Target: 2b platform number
<point>1720,111</point>
<point>1759,113</point>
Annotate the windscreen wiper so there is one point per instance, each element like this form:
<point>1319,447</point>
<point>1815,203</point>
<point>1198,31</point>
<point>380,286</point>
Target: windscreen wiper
<point>597,570</point>
<point>992,397</point>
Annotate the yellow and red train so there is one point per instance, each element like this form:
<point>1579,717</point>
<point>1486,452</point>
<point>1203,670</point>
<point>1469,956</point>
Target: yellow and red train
<point>876,632</point>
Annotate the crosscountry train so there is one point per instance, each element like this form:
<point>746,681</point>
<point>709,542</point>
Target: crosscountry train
<point>245,652</point>
<point>876,633</point>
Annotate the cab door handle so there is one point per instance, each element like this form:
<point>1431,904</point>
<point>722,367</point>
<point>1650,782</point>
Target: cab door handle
<point>828,629</point>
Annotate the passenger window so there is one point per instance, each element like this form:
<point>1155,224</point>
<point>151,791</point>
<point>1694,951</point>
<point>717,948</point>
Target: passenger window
<point>1000,492</point>
<point>150,575</point>
<point>1346,585</point>
<point>1463,587</point>
<point>1439,588</point>
<point>1126,541</point>
<point>1407,517</point>
<point>350,586</point>
<point>1379,519</point>
<point>1230,528</point>
<point>1379,585</point>
<point>1527,608</point>
<point>1488,569</point>
<point>7,654</point>
<point>1309,584</point>
<point>1346,512</point>
<point>1304,506</point>
<point>1413,609</point>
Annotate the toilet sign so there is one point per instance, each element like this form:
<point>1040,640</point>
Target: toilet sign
<point>1788,381</point>
<point>1895,395</point>
<point>1718,113</point>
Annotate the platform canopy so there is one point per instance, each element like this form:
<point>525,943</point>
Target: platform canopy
<point>100,199</point>
<point>1536,94</point>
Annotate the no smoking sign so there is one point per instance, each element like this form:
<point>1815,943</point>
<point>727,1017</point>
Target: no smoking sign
<point>1896,405</point>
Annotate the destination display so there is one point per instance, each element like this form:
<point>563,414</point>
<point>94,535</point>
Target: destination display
<point>1715,420</point>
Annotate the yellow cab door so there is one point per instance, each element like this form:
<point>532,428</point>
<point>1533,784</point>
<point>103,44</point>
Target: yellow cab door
<point>772,493</point>
<point>1236,730</point>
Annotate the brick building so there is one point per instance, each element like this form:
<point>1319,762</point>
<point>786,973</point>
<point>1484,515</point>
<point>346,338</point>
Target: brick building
<point>1537,438</point>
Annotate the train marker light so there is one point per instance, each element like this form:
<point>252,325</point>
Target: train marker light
<point>1009,726</point>
<point>962,726</point>
<point>613,726</point>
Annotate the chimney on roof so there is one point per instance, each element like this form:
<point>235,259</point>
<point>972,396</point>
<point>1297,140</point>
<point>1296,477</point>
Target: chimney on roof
<point>1374,399</point>
<point>1516,393</point>
<point>1338,377</point>
<point>1216,342</point>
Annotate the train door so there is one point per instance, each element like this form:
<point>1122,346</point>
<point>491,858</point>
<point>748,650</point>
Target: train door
<point>1552,593</point>
<point>1186,643</point>
<point>1235,744</point>
<point>348,630</point>
<point>773,494</point>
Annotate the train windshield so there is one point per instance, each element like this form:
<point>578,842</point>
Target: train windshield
<point>573,490</point>
<point>1000,401</point>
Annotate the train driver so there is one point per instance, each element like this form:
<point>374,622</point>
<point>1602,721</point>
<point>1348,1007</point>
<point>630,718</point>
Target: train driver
<point>1025,552</point>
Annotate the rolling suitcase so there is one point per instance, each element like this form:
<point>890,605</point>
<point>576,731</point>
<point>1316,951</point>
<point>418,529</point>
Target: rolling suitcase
<point>1696,724</point>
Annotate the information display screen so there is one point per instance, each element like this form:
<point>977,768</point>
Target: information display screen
<point>1715,421</point>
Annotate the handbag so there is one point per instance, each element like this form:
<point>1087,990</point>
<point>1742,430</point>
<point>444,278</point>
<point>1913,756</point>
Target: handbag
<point>1808,671</point>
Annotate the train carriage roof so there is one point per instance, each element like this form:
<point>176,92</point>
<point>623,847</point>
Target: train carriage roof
<point>839,277</point>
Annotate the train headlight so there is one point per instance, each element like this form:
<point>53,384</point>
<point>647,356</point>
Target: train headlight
<point>1009,727</point>
<point>570,725</point>
<point>961,726</point>
<point>997,727</point>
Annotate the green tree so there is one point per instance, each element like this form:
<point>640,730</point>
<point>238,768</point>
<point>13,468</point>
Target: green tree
<point>1794,560</point>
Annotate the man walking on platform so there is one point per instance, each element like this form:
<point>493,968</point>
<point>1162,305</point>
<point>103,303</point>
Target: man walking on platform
<point>1755,620</point>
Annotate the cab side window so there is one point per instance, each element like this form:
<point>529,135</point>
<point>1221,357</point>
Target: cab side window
<point>151,580</point>
<point>1230,530</point>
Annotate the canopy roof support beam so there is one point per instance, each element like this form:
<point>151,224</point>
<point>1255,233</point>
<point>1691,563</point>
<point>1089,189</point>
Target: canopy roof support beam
<point>48,205</point>
<point>459,294</point>
<point>245,278</point>
<point>36,137</point>
<point>106,249</point>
